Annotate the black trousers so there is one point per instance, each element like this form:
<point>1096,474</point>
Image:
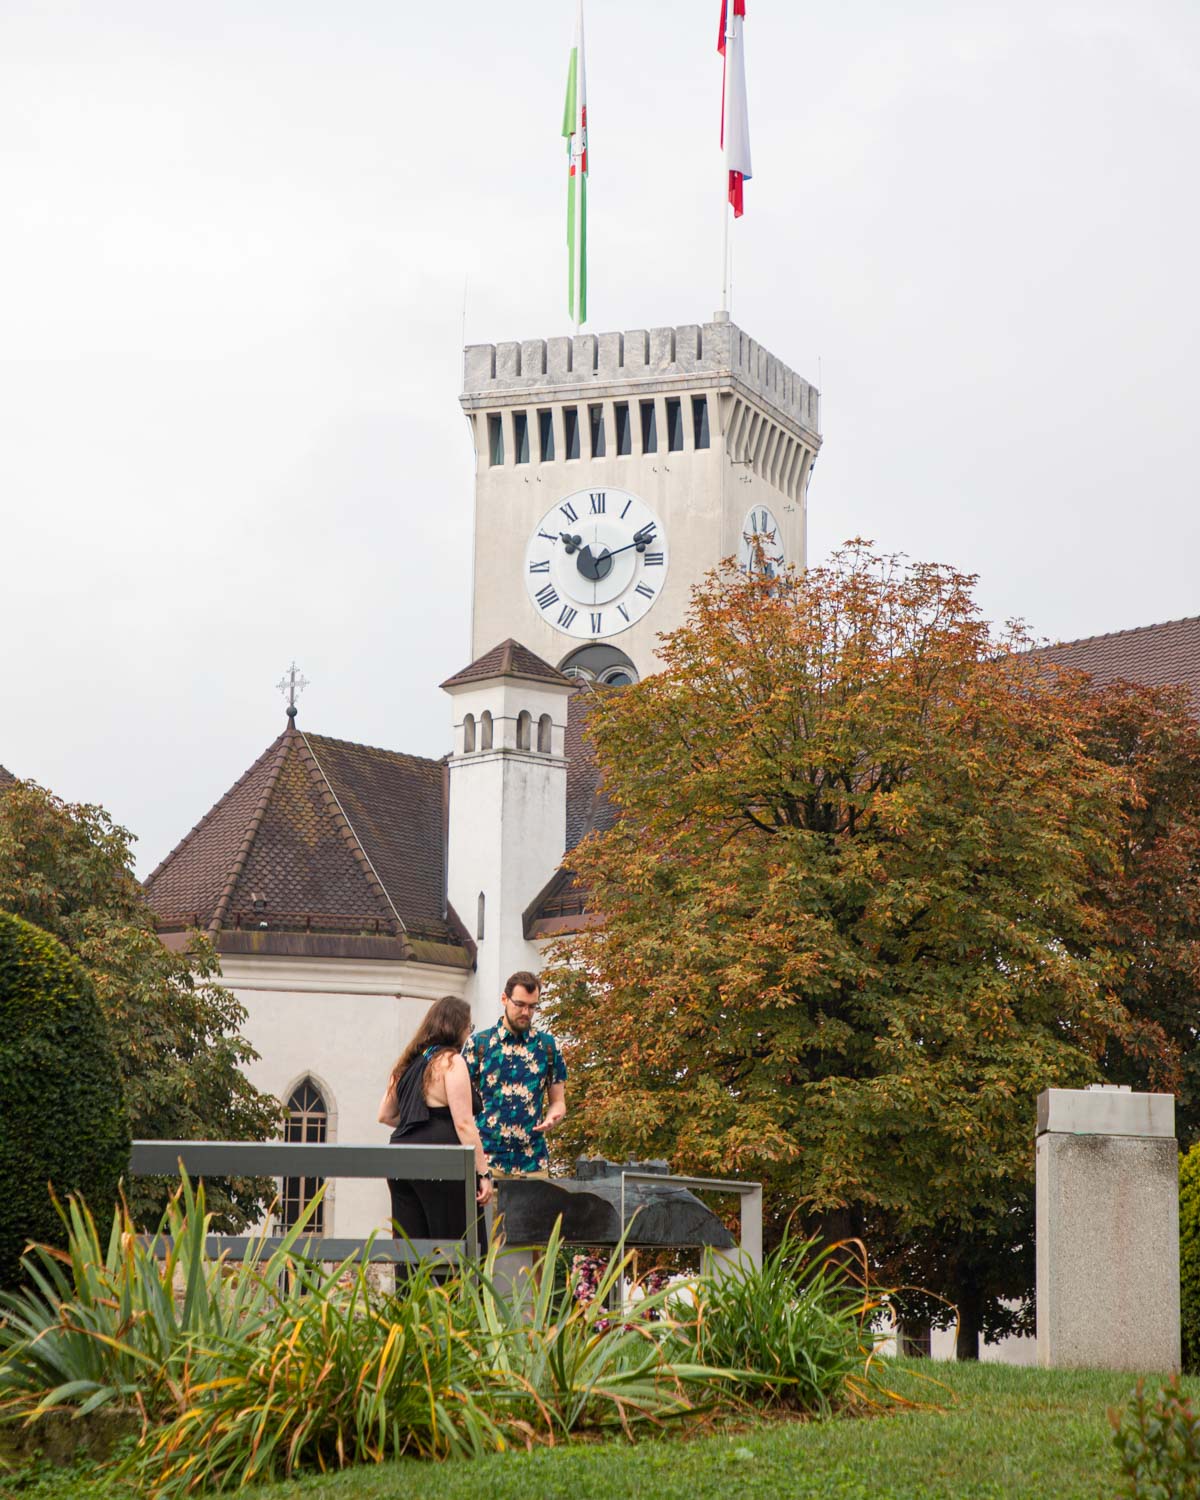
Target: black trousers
<point>432,1210</point>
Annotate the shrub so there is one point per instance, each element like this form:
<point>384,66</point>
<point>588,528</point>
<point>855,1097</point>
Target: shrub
<point>63,1118</point>
<point>799,1322</point>
<point>1189,1258</point>
<point>1158,1443</point>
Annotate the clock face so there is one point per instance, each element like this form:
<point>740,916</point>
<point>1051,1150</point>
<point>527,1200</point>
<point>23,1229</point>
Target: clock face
<point>761,547</point>
<point>595,563</point>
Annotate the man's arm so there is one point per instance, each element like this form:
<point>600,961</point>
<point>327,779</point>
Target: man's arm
<point>556,1100</point>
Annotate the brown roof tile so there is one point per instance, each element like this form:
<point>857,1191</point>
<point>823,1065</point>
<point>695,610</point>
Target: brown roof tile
<point>508,659</point>
<point>1153,655</point>
<point>6,775</point>
<point>333,838</point>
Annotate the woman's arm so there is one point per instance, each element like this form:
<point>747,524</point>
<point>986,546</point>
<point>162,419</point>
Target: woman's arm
<point>388,1113</point>
<point>458,1097</point>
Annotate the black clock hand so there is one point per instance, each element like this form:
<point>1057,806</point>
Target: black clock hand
<point>640,541</point>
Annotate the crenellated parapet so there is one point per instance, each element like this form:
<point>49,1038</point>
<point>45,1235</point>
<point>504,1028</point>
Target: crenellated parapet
<point>693,356</point>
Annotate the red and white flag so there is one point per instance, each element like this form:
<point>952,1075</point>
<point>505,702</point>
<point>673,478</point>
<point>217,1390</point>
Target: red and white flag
<point>734,115</point>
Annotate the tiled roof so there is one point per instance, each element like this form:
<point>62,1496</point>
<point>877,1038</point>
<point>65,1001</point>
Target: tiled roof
<point>1154,655</point>
<point>6,775</point>
<point>508,659</point>
<point>319,837</point>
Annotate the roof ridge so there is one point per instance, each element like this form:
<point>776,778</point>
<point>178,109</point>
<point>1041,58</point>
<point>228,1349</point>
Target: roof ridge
<point>355,846</point>
<point>255,823</point>
<point>1108,635</point>
<point>213,810</point>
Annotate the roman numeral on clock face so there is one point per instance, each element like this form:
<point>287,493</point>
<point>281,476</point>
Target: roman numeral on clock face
<point>569,511</point>
<point>597,623</point>
<point>628,503</point>
<point>623,612</point>
<point>540,567</point>
<point>549,536</point>
<point>547,596</point>
<point>596,503</point>
<point>653,559</point>
<point>566,616</point>
<point>645,590</point>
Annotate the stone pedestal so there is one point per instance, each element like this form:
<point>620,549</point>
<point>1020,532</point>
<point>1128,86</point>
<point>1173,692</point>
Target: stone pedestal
<point>1107,1230</point>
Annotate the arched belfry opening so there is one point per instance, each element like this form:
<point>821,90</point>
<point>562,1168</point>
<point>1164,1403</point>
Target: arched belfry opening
<point>308,1124</point>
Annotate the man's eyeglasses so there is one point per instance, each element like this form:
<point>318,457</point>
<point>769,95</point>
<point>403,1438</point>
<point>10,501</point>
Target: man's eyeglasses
<point>523,1004</point>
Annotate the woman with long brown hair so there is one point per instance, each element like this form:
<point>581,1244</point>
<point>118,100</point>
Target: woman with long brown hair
<point>429,1101</point>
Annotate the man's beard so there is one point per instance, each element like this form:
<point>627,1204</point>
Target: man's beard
<point>520,1023</point>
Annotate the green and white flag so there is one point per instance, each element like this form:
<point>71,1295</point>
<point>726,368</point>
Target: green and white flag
<point>575,130</point>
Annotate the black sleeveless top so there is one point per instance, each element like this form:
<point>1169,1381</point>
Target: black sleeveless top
<point>411,1105</point>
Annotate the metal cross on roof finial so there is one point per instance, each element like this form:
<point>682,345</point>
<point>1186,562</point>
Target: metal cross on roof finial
<point>291,686</point>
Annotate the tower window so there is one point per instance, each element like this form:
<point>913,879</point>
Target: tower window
<point>468,734</point>
<point>308,1122</point>
<point>571,431</point>
<point>700,421</point>
<point>624,436</point>
<point>479,912</point>
<point>546,435</point>
<point>485,730</point>
<point>524,729</point>
<point>674,425</point>
<point>596,418</point>
<point>495,440</point>
<point>544,731</point>
<point>649,428</point>
<point>520,438</point>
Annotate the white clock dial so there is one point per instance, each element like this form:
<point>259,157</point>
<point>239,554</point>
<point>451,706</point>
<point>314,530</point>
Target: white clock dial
<point>595,563</point>
<point>760,548</point>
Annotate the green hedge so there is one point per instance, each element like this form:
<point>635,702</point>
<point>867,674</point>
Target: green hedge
<point>1189,1258</point>
<point>62,1113</point>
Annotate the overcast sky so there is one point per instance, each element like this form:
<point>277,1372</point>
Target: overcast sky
<point>240,241</point>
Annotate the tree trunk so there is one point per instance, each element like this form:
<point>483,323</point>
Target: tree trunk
<point>970,1323</point>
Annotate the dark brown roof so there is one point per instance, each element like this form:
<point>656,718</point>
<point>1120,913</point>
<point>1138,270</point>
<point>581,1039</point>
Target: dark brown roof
<point>328,838</point>
<point>508,659</point>
<point>1153,655</point>
<point>6,775</point>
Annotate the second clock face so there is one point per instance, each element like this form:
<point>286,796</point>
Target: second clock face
<point>761,545</point>
<point>595,563</point>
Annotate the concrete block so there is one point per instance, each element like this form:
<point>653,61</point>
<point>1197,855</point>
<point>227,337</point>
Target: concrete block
<point>1107,1236</point>
<point>479,366</point>
<point>558,358</point>
<point>508,361</point>
<point>1106,1111</point>
<point>687,346</point>
<point>611,357</point>
<point>637,349</point>
<point>533,358</point>
<point>662,348</point>
<point>584,354</point>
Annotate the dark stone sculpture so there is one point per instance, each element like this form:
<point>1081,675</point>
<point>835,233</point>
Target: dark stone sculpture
<point>590,1205</point>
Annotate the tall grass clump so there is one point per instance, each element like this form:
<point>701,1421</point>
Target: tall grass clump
<point>798,1325</point>
<point>277,1366</point>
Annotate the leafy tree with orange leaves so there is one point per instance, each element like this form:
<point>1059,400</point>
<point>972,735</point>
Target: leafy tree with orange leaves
<point>849,929</point>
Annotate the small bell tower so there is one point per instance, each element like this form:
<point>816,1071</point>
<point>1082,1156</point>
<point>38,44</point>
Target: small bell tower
<point>508,804</point>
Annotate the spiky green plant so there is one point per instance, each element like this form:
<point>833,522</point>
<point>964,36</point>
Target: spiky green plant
<point>799,1322</point>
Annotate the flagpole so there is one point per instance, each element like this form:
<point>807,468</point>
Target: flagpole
<point>725,134</point>
<point>577,182</point>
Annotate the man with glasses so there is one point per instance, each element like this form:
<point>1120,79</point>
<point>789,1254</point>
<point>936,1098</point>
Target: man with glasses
<point>522,1080</point>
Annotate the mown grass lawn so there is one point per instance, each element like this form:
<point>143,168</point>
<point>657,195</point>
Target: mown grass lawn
<point>1000,1432</point>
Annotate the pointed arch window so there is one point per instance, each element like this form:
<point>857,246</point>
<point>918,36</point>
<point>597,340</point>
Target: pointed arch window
<point>544,730</point>
<point>468,734</point>
<point>479,917</point>
<point>307,1122</point>
<point>524,729</point>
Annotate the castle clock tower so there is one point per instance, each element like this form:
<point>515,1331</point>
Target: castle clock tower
<point>612,472</point>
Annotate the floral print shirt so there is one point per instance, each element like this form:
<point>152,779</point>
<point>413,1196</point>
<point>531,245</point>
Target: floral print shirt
<point>513,1075</point>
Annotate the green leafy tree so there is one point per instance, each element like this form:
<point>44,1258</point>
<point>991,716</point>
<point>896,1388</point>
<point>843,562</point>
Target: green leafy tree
<point>847,936</point>
<point>63,1123</point>
<point>175,1030</point>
